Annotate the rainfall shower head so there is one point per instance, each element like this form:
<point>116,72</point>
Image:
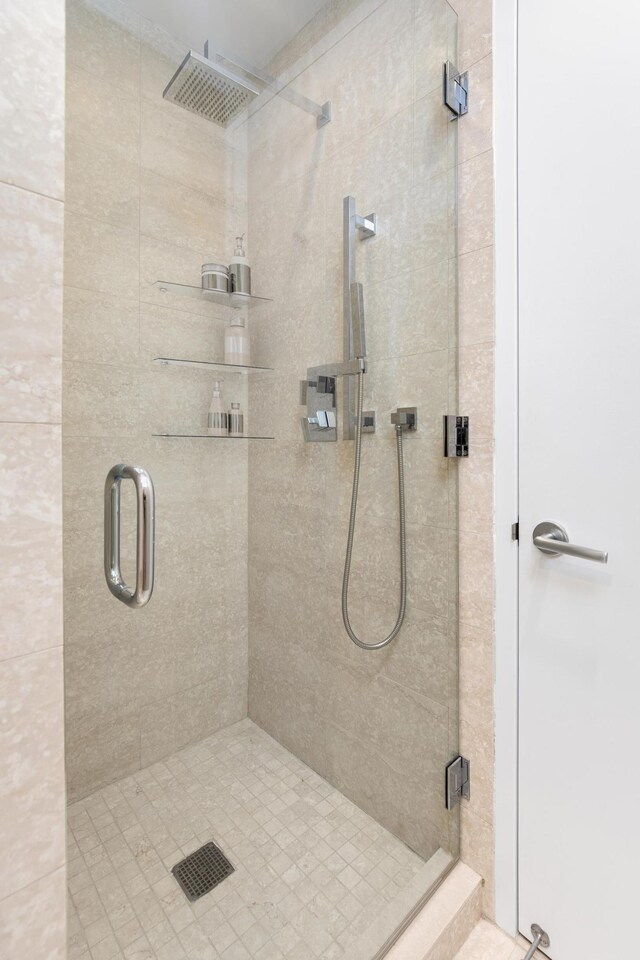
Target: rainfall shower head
<point>209,90</point>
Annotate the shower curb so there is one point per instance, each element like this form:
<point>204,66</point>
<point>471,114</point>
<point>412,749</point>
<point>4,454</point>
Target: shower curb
<point>445,922</point>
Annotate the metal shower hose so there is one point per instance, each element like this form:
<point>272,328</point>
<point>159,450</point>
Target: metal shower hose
<point>352,525</point>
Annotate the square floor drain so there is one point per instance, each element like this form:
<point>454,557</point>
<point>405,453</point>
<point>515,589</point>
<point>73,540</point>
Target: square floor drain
<point>202,870</point>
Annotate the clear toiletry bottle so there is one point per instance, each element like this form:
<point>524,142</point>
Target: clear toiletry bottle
<point>240,273</point>
<point>237,348</point>
<point>218,419</point>
<point>236,421</point>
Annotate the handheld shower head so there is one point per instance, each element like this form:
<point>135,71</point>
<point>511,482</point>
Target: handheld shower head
<point>357,321</point>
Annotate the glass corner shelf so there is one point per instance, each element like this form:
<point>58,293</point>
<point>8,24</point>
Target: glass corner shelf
<point>234,300</point>
<point>206,436</point>
<point>235,369</point>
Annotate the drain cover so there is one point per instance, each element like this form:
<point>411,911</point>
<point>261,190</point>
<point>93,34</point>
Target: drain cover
<point>202,870</point>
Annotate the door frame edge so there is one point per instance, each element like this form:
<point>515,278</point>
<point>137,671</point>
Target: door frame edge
<point>505,17</point>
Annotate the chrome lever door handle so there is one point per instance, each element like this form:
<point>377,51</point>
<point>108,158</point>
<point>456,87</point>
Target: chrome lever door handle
<point>552,539</point>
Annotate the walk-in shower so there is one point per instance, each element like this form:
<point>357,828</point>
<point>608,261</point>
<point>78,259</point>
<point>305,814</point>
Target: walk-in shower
<point>243,780</point>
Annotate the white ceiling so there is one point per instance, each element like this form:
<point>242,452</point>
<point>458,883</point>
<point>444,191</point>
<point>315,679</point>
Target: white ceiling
<point>253,29</point>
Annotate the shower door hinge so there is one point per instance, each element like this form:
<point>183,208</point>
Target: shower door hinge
<point>456,436</point>
<point>457,782</point>
<point>515,531</point>
<point>455,89</point>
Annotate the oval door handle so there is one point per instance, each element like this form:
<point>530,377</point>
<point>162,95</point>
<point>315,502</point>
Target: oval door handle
<point>553,540</point>
<point>145,547</point>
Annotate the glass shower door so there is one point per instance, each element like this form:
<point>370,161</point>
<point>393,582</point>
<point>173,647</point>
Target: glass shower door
<point>233,708</point>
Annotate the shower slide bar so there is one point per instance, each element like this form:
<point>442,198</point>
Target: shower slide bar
<point>145,548</point>
<point>352,226</point>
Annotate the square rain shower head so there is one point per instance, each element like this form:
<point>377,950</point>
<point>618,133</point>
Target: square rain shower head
<point>210,91</point>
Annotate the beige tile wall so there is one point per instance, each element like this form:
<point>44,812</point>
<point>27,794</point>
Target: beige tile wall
<point>152,193</point>
<point>32,796</point>
<point>379,725</point>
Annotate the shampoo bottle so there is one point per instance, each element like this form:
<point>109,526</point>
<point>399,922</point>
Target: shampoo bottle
<point>218,419</point>
<point>236,421</point>
<point>236,342</point>
<point>240,273</point>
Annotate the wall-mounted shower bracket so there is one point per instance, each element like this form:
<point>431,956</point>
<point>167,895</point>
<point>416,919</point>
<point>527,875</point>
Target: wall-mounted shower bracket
<point>367,226</point>
<point>455,90</point>
<point>406,418</point>
<point>352,302</point>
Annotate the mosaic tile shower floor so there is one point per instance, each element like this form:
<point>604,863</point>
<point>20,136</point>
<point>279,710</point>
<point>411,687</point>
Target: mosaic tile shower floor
<point>312,871</point>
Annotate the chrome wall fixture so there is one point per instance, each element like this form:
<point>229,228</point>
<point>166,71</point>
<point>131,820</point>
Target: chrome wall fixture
<point>321,381</point>
<point>145,548</point>
<point>321,424</point>
<point>352,226</point>
<point>318,393</point>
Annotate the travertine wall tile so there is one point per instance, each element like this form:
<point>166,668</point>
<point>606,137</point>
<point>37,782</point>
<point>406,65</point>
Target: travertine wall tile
<point>474,31</point>
<point>30,305</point>
<point>102,185</point>
<point>32,797</point>
<point>32,110</point>
<point>475,297</point>
<point>476,133</point>
<point>32,920</point>
<point>31,538</point>
<point>32,827</point>
<point>475,211</point>
<point>115,126</point>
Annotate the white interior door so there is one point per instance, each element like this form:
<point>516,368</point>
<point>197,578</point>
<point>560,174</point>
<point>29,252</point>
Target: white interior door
<point>579,276</point>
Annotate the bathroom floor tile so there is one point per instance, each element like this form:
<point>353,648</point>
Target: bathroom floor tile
<point>301,851</point>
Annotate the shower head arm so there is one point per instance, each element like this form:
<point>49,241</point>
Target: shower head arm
<point>274,85</point>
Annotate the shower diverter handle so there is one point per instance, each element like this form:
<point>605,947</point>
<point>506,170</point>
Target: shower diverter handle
<point>552,539</point>
<point>323,420</point>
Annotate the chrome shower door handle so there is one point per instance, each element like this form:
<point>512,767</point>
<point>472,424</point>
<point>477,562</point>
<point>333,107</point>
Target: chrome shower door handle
<point>552,539</point>
<point>145,547</point>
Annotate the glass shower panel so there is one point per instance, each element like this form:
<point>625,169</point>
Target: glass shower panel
<point>378,725</point>
<point>233,708</point>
